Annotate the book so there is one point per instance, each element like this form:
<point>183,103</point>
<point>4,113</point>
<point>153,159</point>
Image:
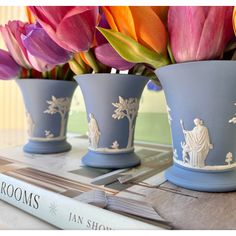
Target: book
<point>60,190</point>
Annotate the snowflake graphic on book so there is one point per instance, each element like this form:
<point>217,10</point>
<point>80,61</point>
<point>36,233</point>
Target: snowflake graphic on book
<point>53,208</point>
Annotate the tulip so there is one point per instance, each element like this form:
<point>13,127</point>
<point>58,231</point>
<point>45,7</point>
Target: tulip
<point>29,15</point>
<point>105,53</point>
<point>140,23</point>
<point>199,33</point>
<point>8,67</point>
<point>109,57</point>
<point>40,45</point>
<point>11,34</point>
<point>71,27</point>
<point>43,53</point>
<point>234,20</point>
<point>137,34</point>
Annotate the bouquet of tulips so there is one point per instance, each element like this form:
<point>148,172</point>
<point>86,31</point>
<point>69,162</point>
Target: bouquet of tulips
<point>92,39</point>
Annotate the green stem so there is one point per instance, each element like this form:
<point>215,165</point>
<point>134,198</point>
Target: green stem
<point>68,74</point>
<point>170,54</point>
<point>82,64</point>
<point>76,67</point>
<point>49,73</point>
<point>58,72</point>
<point>92,61</point>
<point>45,75</point>
<point>29,73</point>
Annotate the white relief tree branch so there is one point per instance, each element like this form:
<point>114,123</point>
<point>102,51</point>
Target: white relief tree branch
<point>61,106</point>
<point>127,108</point>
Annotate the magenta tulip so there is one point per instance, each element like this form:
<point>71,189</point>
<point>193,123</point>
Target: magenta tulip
<point>8,67</point>
<point>40,45</point>
<point>199,32</point>
<point>107,55</point>
<point>71,27</point>
<point>18,36</point>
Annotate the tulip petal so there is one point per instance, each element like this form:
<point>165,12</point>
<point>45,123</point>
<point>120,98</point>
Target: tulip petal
<point>39,64</point>
<point>78,30</point>
<point>109,57</point>
<point>162,12</point>
<point>39,44</point>
<point>120,19</point>
<point>150,30</point>
<point>216,33</point>
<point>49,27</point>
<point>234,20</point>
<point>8,67</point>
<point>100,39</point>
<point>72,28</point>
<point>189,21</point>
<point>50,14</point>
<point>205,31</point>
<point>132,51</point>
<point>11,34</point>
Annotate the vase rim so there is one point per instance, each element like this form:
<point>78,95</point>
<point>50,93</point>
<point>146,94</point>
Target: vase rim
<point>102,75</point>
<point>41,79</point>
<point>196,62</point>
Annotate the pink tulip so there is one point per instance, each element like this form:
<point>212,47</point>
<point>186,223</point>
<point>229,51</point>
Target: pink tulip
<point>17,36</point>
<point>199,32</point>
<point>71,27</point>
<point>11,34</point>
<point>8,67</point>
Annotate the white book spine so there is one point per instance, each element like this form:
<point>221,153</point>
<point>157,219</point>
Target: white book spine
<point>63,212</point>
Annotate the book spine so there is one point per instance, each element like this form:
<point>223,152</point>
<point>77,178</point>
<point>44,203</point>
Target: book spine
<point>63,212</point>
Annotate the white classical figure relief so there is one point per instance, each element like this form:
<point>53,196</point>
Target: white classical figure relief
<point>115,145</point>
<point>229,158</point>
<point>168,112</point>
<point>59,106</point>
<point>233,120</point>
<point>30,124</point>
<point>48,134</point>
<point>197,144</point>
<point>127,108</point>
<point>94,132</point>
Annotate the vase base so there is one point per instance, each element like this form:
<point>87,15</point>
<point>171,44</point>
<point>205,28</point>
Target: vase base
<point>36,147</point>
<point>202,181</point>
<point>111,161</point>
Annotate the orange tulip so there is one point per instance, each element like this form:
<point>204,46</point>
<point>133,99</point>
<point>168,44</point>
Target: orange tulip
<point>162,12</point>
<point>234,20</point>
<point>29,15</point>
<point>143,24</point>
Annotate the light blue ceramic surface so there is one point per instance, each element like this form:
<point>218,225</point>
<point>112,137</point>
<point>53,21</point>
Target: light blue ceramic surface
<point>204,90</point>
<point>47,104</point>
<point>111,143</point>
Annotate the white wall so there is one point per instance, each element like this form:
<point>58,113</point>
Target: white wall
<point>11,105</point>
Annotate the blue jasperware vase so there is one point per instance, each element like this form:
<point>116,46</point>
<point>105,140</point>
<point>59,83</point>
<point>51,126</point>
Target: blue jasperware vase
<point>47,106</point>
<point>201,101</point>
<point>112,103</point>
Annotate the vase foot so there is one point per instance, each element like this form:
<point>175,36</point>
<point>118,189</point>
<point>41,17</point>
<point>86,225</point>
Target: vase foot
<point>111,161</point>
<point>202,181</point>
<point>51,147</point>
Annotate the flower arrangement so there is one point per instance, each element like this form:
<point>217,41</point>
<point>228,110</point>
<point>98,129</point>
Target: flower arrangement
<point>34,52</point>
<point>96,39</point>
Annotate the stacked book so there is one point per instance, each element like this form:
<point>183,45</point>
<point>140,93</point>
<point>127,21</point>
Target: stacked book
<point>59,190</point>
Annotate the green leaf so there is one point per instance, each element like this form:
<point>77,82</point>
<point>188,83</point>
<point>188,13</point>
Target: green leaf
<point>131,50</point>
